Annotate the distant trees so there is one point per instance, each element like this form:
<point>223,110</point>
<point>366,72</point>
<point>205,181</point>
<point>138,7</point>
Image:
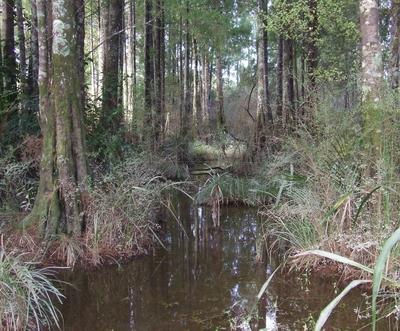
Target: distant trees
<point>149,69</point>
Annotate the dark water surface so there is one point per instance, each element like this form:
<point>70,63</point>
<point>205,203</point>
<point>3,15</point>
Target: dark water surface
<point>205,280</point>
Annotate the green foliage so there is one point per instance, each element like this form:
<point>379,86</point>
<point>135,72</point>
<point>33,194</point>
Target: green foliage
<point>18,182</point>
<point>226,188</point>
<point>27,294</point>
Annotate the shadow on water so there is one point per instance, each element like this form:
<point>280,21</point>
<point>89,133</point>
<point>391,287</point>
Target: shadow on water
<point>205,280</point>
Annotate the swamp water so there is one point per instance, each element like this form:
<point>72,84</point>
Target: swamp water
<point>204,280</point>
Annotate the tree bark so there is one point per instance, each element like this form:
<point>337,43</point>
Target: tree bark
<point>394,63</point>
<point>112,65</point>
<point>62,195</point>
<point>9,60</point>
<point>312,60</point>
<point>372,74</point>
<point>260,132</point>
<point>221,121</point>
<point>148,70</point>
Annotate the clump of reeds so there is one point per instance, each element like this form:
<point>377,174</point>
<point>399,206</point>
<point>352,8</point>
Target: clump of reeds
<point>122,216</point>
<point>27,293</point>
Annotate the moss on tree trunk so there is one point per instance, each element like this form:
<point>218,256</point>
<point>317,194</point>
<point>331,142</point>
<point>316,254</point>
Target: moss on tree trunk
<point>62,195</point>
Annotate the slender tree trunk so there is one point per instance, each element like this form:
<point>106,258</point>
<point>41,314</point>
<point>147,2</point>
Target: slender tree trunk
<point>287,82</point>
<point>205,105</point>
<point>186,101</point>
<point>9,58</point>
<point>260,136</point>
<point>162,64</point>
<point>270,120</point>
<point>112,65</point>
<point>296,103</point>
<point>33,65</point>
<point>394,63</point>
<point>196,88</point>
<point>148,70</point>
<point>221,121</point>
<point>159,72</point>
<point>9,112</point>
<point>26,117</point>
<point>312,60</point>
<point>279,81</point>
<point>372,74</point>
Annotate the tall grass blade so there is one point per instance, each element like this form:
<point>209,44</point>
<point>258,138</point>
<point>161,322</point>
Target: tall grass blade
<point>378,271</point>
<point>158,239</point>
<point>261,292</point>
<point>326,312</point>
<point>337,258</point>
<point>336,206</point>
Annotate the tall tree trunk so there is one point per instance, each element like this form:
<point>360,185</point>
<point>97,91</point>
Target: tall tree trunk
<point>33,64</point>
<point>9,119</point>
<point>196,88</point>
<point>205,97</point>
<point>148,70</point>
<point>9,60</point>
<point>159,72</point>
<point>186,94</point>
<point>260,132</point>
<point>112,65</point>
<point>394,63</point>
<point>287,83</point>
<point>26,117</point>
<point>62,194</point>
<point>312,59</point>
<point>221,121</point>
<point>279,81</point>
<point>372,74</point>
<point>270,120</point>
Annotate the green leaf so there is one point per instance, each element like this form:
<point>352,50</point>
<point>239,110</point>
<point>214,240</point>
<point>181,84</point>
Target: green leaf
<point>326,312</point>
<point>378,271</point>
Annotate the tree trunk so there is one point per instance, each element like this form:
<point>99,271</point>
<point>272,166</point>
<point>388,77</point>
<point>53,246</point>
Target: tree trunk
<point>287,83</point>
<point>196,88</point>
<point>9,60</point>
<point>270,120</point>
<point>394,63</point>
<point>27,117</point>
<point>260,132</point>
<point>148,71</point>
<point>371,74</point>
<point>205,105</point>
<point>9,119</point>
<point>159,67</point>
<point>221,121</point>
<point>279,81</point>
<point>186,80</point>
<point>62,194</point>
<point>112,65</point>
<point>312,60</point>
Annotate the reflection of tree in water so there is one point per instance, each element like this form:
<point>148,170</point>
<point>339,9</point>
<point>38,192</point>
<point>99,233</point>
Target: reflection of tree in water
<point>204,280</point>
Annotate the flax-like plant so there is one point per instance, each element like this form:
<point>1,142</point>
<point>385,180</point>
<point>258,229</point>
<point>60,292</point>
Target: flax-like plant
<point>227,188</point>
<point>378,278</point>
<point>27,294</point>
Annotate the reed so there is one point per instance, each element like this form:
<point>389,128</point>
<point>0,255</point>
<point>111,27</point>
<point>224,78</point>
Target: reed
<point>27,294</point>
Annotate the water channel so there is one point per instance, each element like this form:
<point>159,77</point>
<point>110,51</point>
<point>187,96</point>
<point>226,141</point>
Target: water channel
<point>203,280</point>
